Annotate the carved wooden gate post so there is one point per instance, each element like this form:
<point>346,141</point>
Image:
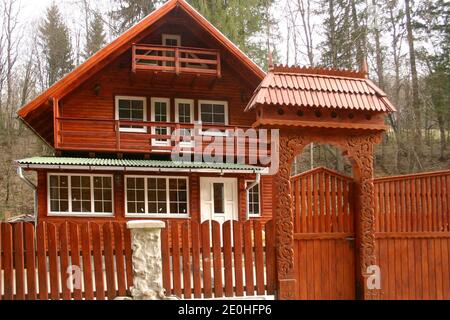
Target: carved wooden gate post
<point>289,146</point>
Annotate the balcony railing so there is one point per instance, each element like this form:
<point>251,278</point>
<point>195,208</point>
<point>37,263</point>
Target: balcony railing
<point>78,134</point>
<point>178,60</point>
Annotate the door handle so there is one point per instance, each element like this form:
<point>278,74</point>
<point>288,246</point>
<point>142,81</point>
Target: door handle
<point>350,239</point>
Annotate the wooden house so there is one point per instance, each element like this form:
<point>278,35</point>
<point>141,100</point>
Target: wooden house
<point>116,121</point>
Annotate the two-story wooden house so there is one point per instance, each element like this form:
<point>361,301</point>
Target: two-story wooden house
<point>168,87</point>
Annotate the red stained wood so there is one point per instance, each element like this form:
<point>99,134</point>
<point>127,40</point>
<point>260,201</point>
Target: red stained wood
<point>195,233</point>
<point>8,262</point>
<point>64,255</point>
<point>42,261</point>
<point>176,260</point>
<point>75,256</point>
<point>53,261</point>
<point>30,261</point>
<point>237,237</point>
<point>227,256</point>
<point>206,257</point>
<point>165,255</point>
<point>248,258</point>
<point>187,289</point>
<point>217,259</point>
<point>98,262</point>
<point>259,257</point>
<point>87,265</point>
<point>120,259</point>
<point>109,261</point>
<point>19,261</point>
<point>128,256</point>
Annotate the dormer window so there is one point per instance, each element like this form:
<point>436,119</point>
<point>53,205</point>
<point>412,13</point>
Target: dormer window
<point>131,109</point>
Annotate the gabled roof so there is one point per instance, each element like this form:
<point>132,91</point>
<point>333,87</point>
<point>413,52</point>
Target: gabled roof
<point>320,88</point>
<point>123,43</point>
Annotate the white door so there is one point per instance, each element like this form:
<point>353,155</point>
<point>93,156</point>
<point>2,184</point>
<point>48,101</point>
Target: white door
<point>219,199</point>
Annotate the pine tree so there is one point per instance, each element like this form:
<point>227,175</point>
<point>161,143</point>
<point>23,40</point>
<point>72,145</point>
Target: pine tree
<point>96,37</point>
<point>130,12</point>
<point>246,23</point>
<point>55,45</point>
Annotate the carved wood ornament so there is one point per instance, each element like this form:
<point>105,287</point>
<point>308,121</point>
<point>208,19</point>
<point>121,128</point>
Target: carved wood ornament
<point>359,148</point>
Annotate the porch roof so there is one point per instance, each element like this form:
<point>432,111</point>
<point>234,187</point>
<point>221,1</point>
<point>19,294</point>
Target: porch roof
<point>100,164</point>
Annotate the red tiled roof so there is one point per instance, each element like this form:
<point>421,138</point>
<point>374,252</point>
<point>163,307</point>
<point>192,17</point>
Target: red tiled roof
<point>321,88</point>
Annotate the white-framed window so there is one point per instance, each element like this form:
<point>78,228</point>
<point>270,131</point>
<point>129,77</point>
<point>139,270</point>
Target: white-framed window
<point>172,40</point>
<point>131,109</point>
<point>213,113</point>
<point>160,113</point>
<point>157,196</point>
<point>81,195</point>
<point>253,200</point>
<point>184,114</point>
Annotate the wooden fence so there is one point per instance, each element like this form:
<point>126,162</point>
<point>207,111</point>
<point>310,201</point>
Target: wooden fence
<point>36,264</point>
<point>413,235</point>
<point>209,260</point>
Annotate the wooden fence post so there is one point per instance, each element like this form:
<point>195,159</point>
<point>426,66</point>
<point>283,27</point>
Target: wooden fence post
<point>147,260</point>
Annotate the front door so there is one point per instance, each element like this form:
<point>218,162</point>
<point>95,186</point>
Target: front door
<point>218,199</point>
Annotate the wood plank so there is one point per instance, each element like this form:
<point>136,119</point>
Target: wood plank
<point>176,239</point>
<point>259,258</point>
<point>30,248</point>
<point>195,235</point>
<point>270,257</point>
<point>120,259</point>
<point>128,257</point>
<point>304,211</point>
<point>98,262</point>
<point>8,262</point>
<point>186,251</point>
<point>217,259</point>
<point>206,259</point>
<point>165,256</point>
<point>65,260</point>
<point>237,237</point>
<point>75,255</point>
<point>87,264</point>
<point>248,258</point>
<point>42,260</point>
<point>228,259</point>
<point>53,261</point>
<point>109,261</point>
<point>19,261</point>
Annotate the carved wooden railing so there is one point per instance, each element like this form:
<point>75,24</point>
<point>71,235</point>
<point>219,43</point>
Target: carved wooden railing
<point>176,59</point>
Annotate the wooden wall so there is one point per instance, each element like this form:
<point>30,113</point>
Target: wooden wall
<point>118,79</point>
<point>194,198</point>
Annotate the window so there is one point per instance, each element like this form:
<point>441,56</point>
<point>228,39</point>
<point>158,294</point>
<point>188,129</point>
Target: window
<point>253,200</point>
<point>80,194</point>
<point>184,113</point>
<point>131,109</point>
<point>157,196</point>
<point>161,113</point>
<point>214,112</point>
<point>219,198</point>
<point>171,40</point>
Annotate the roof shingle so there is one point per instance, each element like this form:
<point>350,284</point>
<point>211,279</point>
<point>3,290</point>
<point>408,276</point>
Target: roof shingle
<point>320,88</point>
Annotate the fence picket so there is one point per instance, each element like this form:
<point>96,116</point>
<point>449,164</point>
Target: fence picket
<point>98,262</point>
<point>259,258</point>
<point>109,261</point>
<point>165,255</point>
<point>186,260</point>
<point>30,253</point>
<point>237,237</point>
<point>228,259</point>
<point>248,258</point>
<point>195,234</point>
<point>19,261</point>
<point>42,260</point>
<point>75,255</point>
<point>8,262</point>
<point>120,259</point>
<point>64,260</point>
<point>53,261</point>
<point>217,259</point>
<point>87,264</point>
<point>176,260</point>
<point>206,257</point>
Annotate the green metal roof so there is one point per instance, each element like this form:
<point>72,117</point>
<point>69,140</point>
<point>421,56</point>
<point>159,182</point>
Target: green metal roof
<point>127,164</point>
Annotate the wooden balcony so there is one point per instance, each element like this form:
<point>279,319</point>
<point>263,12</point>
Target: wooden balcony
<point>177,60</point>
<point>76,134</point>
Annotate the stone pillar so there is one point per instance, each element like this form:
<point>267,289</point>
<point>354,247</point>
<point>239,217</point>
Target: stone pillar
<point>147,261</point>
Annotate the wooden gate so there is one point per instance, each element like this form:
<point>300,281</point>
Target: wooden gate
<point>324,236</point>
